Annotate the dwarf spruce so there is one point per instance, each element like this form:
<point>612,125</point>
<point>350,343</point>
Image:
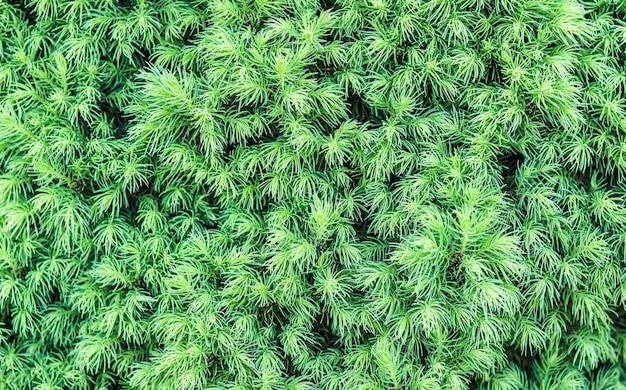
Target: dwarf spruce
<point>312,194</point>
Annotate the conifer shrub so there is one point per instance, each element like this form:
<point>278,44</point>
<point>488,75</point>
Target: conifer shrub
<point>312,194</point>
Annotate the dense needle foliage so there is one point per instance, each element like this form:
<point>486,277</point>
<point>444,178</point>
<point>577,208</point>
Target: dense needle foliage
<point>312,194</point>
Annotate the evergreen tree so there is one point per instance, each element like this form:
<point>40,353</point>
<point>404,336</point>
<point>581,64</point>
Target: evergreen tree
<point>312,194</point>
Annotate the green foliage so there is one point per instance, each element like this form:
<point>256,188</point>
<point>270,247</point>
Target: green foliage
<point>312,194</point>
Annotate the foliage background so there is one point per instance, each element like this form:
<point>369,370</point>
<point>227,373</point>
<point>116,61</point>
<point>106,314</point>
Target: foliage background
<point>312,194</point>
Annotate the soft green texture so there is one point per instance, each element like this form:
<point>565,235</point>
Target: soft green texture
<point>304,194</point>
